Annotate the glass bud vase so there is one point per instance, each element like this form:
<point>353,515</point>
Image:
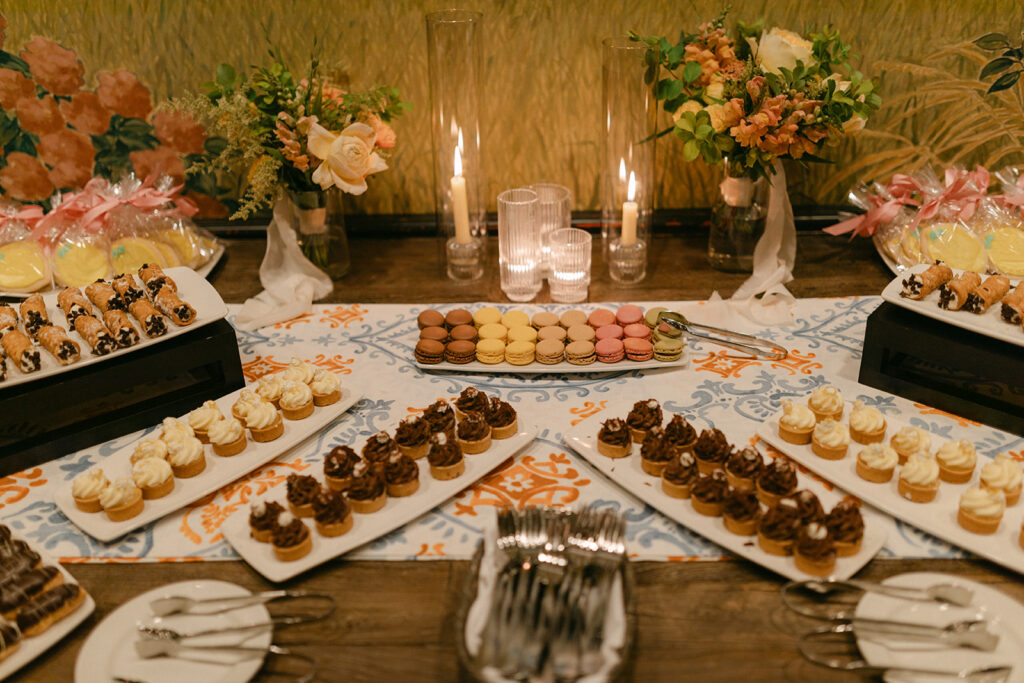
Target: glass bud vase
<point>738,220</point>
<point>320,229</point>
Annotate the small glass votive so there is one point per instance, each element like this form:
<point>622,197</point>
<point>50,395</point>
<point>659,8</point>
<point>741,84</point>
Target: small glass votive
<point>465,260</point>
<point>627,263</point>
<point>554,211</point>
<point>570,265</point>
<point>519,244</point>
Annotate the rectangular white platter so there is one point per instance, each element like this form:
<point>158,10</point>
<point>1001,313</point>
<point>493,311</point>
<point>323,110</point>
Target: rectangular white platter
<point>366,528</point>
<point>192,289</point>
<point>627,474</point>
<point>30,648</point>
<point>988,323</point>
<point>937,517</point>
<point>563,368</point>
<point>219,470</point>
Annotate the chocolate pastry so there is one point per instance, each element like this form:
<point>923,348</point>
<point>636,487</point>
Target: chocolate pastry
<point>367,483</point>
<point>400,469</point>
<point>302,489</point>
<point>473,427</point>
<point>55,340</point>
<point>813,544</point>
<point>845,523</point>
<point>378,447</point>
<point>32,616</point>
<point>471,400</point>
<point>330,507</point>
<point>291,534</point>
<point>741,505</point>
<point>412,431</point>
<point>808,507</point>
<point>779,478</point>
<point>125,286</point>
<point>21,589</point>
<point>679,432</point>
<point>746,464</point>
<point>168,303</point>
<point>711,488</point>
<point>14,566</point>
<point>103,296</point>
<point>644,415</point>
<point>443,452</point>
<point>9,318</point>
<point>153,276</point>
<point>73,303</point>
<point>614,432</point>
<point>10,638</point>
<point>682,470</point>
<point>440,418</point>
<point>499,413</point>
<point>153,324</point>
<point>12,548</point>
<point>33,314</point>
<point>656,447</point>
<point>124,332</point>
<point>780,523</point>
<point>712,446</point>
<point>268,520</point>
<point>339,462</point>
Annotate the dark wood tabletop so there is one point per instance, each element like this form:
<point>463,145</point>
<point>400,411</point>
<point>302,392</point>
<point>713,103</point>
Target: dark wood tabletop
<point>396,621</point>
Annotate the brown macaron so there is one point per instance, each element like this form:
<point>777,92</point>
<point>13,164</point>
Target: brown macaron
<point>435,332</point>
<point>550,351</point>
<point>464,333</point>
<point>460,316</point>
<point>544,319</point>
<point>460,351</point>
<point>430,318</point>
<point>429,351</point>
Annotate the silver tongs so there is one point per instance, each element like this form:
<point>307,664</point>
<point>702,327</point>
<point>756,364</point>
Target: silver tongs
<point>755,346</point>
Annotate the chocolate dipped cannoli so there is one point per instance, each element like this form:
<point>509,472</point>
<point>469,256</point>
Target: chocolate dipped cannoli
<point>48,608</point>
<point>33,313</point>
<point>920,285</point>
<point>93,331</point>
<point>121,327</point>
<point>103,296</point>
<point>73,303</point>
<point>10,639</point>
<point>8,318</point>
<point>1013,305</point>
<point>174,308</point>
<point>17,592</point>
<point>153,276</point>
<point>21,350</point>
<point>153,324</point>
<point>62,347</point>
<point>953,294</point>
<point>125,286</point>
<point>991,291</point>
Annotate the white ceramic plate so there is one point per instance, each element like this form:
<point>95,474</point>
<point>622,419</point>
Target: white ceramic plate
<point>937,517</point>
<point>109,651</point>
<point>31,648</point>
<point>219,471</point>
<point>627,473</point>
<point>192,289</point>
<point>1004,614</point>
<point>988,323</point>
<point>366,528</point>
<point>563,368</point>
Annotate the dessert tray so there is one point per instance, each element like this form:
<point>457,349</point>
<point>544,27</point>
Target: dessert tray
<point>988,323</point>
<point>192,288</point>
<point>939,517</point>
<point>368,527</point>
<point>627,473</point>
<point>563,368</point>
<point>219,470</point>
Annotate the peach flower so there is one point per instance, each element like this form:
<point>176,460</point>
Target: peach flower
<point>157,162</point>
<point>86,114</point>
<point>122,93</point>
<point>70,155</point>
<point>39,116</point>
<point>25,178</point>
<point>14,86</point>
<point>385,134</point>
<point>208,206</point>
<point>55,68</point>
<point>180,132</point>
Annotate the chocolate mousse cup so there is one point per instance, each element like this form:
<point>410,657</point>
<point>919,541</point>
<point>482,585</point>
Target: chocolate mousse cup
<point>262,526</point>
<point>440,418</point>
<point>777,529</point>
<point>814,551</point>
<point>291,541</point>
<point>367,493</point>
<point>402,475</point>
<point>378,447</point>
<point>777,481</point>
<point>302,489</point>
<point>474,434</point>
<point>614,439</point>
<point>643,416</point>
<point>846,525</point>
<point>331,513</point>
<point>712,450</point>
<point>502,418</point>
<point>678,477</point>
<point>741,512</point>
<point>445,458</point>
<point>471,400</point>
<point>708,493</point>
<point>656,452</point>
<point>338,466</point>
<point>742,469</point>
<point>413,437</point>
<point>681,434</point>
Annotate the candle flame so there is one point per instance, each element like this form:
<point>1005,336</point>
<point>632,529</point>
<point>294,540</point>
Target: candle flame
<point>631,192</point>
<point>622,170</point>
<point>458,161</point>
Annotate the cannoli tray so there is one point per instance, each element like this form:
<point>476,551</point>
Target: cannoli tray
<point>627,474</point>
<point>192,289</point>
<point>938,517</point>
<point>989,323</point>
<point>219,470</point>
<point>367,527</point>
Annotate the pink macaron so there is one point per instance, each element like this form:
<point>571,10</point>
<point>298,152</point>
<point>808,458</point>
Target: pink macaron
<point>638,349</point>
<point>609,350</point>
<point>609,332</point>
<point>629,314</point>
<point>600,318</point>
<point>637,331</point>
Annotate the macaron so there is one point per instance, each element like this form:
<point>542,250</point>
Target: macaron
<point>600,318</point>
<point>429,351</point>
<point>573,317</point>
<point>460,316</point>
<point>651,316</point>
<point>486,316</point>
<point>581,333</point>
<point>544,319</point>
<point>629,314</point>
<point>666,330</point>
<point>493,331</point>
<point>515,319</point>
<point>609,350</point>
<point>520,353</point>
<point>435,332</point>
<point>430,318</point>
<point>522,333</point>
<point>464,332</point>
<point>556,332</point>
<point>638,349</point>
<point>667,349</point>
<point>550,351</point>
<point>580,353</point>
<point>490,351</point>
<point>612,331</point>
<point>637,331</point>
<point>460,351</point>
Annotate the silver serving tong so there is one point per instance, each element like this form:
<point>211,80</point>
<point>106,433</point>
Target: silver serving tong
<point>755,346</point>
<point>176,604</point>
<point>831,589</point>
<point>157,631</point>
<point>147,649</point>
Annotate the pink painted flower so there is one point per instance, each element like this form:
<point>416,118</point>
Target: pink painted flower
<point>55,68</point>
<point>122,93</point>
<point>70,156</point>
<point>208,206</point>
<point>13,87</point>
<point>86,114</point>
<point>179,131</point>
<point>156,162</point>
<point>25,178</point>
<point>385,134</point>
<point>39,116</point>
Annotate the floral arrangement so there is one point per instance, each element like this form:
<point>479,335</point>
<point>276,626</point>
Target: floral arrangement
<point>759,96</point>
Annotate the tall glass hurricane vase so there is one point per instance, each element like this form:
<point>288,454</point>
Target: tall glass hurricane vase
<point>738,220</point>
<point>319,221</point>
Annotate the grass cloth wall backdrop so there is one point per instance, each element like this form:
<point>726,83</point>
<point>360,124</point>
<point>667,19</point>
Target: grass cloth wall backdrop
<point>543,69</point>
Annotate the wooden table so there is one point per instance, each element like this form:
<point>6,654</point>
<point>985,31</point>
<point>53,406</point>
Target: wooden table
<point>710,621</point>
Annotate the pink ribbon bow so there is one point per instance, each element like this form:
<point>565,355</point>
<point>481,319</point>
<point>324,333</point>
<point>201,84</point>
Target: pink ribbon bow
<point>145,198</point>
<point>29,214</point>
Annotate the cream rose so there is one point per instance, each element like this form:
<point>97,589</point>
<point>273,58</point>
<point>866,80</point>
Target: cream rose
<point>779,48</point>
<point>688,106</point>
<point>715,89</point>
<point>347,158</point>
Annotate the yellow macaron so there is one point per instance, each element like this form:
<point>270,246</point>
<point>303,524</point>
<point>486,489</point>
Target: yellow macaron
<point>490,351</point>
<point>522,333</point>
<point>520,353</point>
<point>486,316</point>
<point>515,319</point>
<point>493,331</point>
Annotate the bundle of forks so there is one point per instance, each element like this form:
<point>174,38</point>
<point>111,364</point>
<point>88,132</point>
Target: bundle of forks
<point>556,571</point>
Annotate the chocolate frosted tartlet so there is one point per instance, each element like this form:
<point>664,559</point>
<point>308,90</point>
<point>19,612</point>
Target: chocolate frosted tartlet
<point>708,493</point>
<point>474,433</point>
<point>291,539</point>
<point>614,439</point>
<point>378,447</point>
<point>302,489</point>
<point>712,450</point>
<point>681,433</point>
<point>440,418</point>
<point>776,481</point>
<point>778,528</point>
<point>445,458</point>
<point>678,477</point>
<point>413,436</point>
<point>502,418</point>
<point>263,519</point>
<point>338,467</point>
<point>643,416</point>
<point>471,400</point>
<point>846,525</point>
<point>332,513</point>
<point>656,452</point>
<point>402,475</point>
<point>814,550</point>
<point>808,507</point>
<point>741,512</point>
<point>367,493</point>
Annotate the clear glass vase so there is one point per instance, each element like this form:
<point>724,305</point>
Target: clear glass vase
<point>320,229</point>
<point>738,220</point>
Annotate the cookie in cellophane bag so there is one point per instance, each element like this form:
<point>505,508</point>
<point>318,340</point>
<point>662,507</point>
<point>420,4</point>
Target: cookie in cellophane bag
<point>23,264</point>
<point>1002,234</point>
<point>79,257</point>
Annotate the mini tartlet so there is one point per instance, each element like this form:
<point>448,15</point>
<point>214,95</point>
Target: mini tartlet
<point>643,416</point>
<point>741,512</point>
<point>326,388</point>
<point>909,440</point>
<point>202,417</point>
<point>440,418</point>
<point>613,439</point>
<point>808,506</point>
<point>270,388</point>
<point>846,525</point>
<point>227,436</point>
<point>830,440</point>
<point>86,489</point>
<point>981,510</point>
<point>149,448</point>
<point>681,434</point>
<point>678,477</point>
<point>867,424</point>
<point>708,493</point>
<point>264,422</point>
<point>296,401</point>
<point>826,403</point>
<point>796,423</point>
<point>711,450</point>
<point>332,514</point>
<point>474,434</point>
<point>154,477</point>
<point>186,458</point>
<point>502,419</point>
<point>445,458</point>
<point>957,460</point>
<point>919,479</point>
<point>876,462</point>
<point>401,475</point>
<point>263,519</point>
<point>174,430</point>
<point>298,370</point>
<point>471,400</point>
<point>121,500</point>
<point>1003,473</point>
<point>378,447</point>
<point>367,493</point>
<point>777,481</point>
<point>413,436</point>
<point>743,468</point>
<point>778,527</point>
<point>246,399</point>
<point>290,538</point>
<point>656,452</point>
<point>338,466</point>
<point>301,490</point>
<point>814,551</point>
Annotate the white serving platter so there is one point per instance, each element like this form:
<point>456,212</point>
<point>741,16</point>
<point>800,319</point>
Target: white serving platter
<point>219,470</point>
<point>563,368</point>
<point>366,528</point>
<point>192,288</point>
<point>937,517</point>
<point>627,474</point>
<point>988,323</point>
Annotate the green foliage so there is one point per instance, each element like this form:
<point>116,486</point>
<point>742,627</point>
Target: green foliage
<point>12,61</point>
<point>13,138</point>
<point>1011,58</point>
<point>124,136</point>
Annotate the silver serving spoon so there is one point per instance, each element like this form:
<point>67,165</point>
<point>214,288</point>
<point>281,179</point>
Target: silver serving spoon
<point>940,592</point>
<point>174,604</point>
<point>837,600</point>
<point>147,649</point>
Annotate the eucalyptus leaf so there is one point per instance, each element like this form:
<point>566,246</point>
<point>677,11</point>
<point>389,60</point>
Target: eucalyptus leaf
<point>995,66</point>
<point>992,41</point>
<point>1004,82</point>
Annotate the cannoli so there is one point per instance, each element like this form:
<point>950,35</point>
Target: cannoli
<point>62,347</point>
<point>33,313</point>
<point>10,640</point>
<point>8,318</point>
<point>992,290</point>
<point>93,331</point>
<point>121,327</point>
<point>19,347</point>
<point>155,279</point>
<point>3,366</point>
<point>1013,305</point>
<point>49,607</point>
<point>73,303</point>
<point>174,308</point>
<point>153,324</point>
<point>953,294</point>
<point>125,286</point>
<point>17,592</point>
<point>920,285</point>
<point>103,296</point>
